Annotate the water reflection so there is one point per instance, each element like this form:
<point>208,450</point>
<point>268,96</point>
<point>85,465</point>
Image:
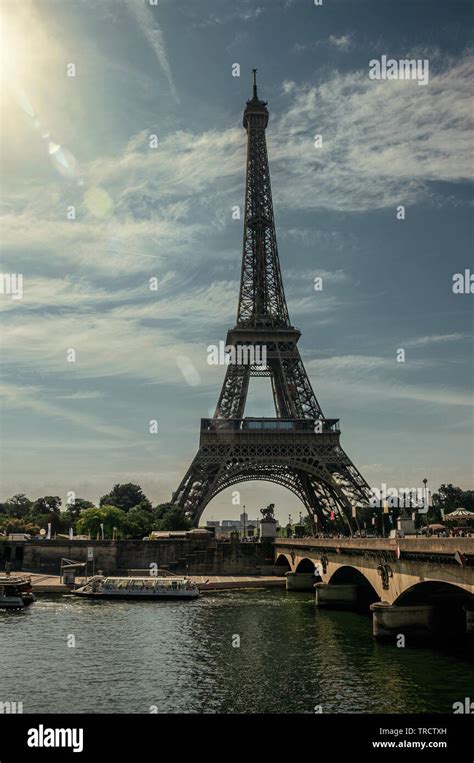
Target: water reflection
<point>179,657</point>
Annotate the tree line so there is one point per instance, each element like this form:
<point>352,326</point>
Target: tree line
<point>125,512</point>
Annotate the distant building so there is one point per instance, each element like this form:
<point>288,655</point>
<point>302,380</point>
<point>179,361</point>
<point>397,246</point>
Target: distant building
<point>244,526</point>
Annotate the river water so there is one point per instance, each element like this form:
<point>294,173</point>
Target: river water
<point>143,657</point>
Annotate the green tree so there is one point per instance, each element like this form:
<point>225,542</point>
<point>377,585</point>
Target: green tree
<point>126,497</point>
<point>17,506</point>
<point>110,516</point>
<point>75,508</point>
<point>57,521</point>
<point>448,497</point>
<point>113,518</point>
<point>45,505</point>
<point>138,523</point>
<point>17,525</point>
<point>161,509</point>
<point>468,500</point>
<point>174,519</point>
<point>90,521</point>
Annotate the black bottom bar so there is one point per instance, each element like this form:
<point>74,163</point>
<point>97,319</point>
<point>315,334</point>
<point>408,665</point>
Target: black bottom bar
<point>137,737</point>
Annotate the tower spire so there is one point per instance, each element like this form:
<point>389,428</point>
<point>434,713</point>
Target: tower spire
<point>262,299</point>
<point>255,96</point>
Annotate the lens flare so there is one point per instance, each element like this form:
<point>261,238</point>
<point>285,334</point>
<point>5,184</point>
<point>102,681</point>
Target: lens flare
<point>98,202</point>
<point>187,368</point>
<point>63,160</point>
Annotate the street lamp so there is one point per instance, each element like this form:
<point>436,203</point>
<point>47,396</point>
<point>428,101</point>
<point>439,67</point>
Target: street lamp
<point>427,503</point>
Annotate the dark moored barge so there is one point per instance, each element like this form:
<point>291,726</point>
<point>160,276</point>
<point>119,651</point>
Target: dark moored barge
<point>15,592</point>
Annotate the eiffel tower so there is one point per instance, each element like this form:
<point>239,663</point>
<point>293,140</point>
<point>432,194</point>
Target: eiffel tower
<point>299,448</point>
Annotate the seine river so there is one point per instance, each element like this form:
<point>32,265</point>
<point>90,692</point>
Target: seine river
<point>143,657</point>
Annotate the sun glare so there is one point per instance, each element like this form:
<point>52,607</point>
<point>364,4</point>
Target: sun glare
<point>14,57</point>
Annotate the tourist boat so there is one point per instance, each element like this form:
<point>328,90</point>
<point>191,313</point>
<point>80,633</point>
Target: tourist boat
<point>15,592</point>
<point>101,587</point>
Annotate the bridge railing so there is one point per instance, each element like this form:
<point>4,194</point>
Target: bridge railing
<point>412,545</point>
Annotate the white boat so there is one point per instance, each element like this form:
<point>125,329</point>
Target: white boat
<point>101,587</point>
<point>15,592</point>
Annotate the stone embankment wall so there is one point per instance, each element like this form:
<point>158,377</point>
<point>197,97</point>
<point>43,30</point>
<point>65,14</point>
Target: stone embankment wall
<point>194,556</point>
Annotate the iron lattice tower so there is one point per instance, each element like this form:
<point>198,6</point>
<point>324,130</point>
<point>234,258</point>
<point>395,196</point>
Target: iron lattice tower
<point>299,448</point>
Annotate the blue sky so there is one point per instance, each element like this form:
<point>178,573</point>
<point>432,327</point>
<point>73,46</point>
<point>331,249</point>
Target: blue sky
<point>83,141</point>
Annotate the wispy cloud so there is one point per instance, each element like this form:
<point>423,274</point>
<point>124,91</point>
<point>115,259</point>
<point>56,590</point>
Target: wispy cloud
<point>342,42</point>
<point>130,334</point>
<point>374,378</point>
<point>85,395</point>
<point>146,19</point>
<point>154,192</point>
<point>421,341</point>
<point>235,14</point>
<point>429,139</point>
<point>357,365</point>
<point>29,398</point>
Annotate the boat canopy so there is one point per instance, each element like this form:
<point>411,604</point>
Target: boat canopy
<point>148,583</point>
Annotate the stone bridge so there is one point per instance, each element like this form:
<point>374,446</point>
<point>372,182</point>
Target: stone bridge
<point>412,585</point>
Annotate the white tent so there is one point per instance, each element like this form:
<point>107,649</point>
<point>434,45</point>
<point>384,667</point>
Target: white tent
<point>457,514</point>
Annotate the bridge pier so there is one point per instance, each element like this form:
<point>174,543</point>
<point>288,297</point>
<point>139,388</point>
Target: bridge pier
<point>339,596</point>
<point>391,620</point>
<point>300,581</point>
<point>469,610</point>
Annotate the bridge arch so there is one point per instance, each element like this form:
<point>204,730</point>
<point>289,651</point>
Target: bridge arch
<point>306,565</point>
<point>426,590</point>
<point>447,599</point>
<point>283,564</point>
<point>347,575</point>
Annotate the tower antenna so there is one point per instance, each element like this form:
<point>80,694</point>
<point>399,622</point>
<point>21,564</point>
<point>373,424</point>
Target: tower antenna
<point>254,72</point>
